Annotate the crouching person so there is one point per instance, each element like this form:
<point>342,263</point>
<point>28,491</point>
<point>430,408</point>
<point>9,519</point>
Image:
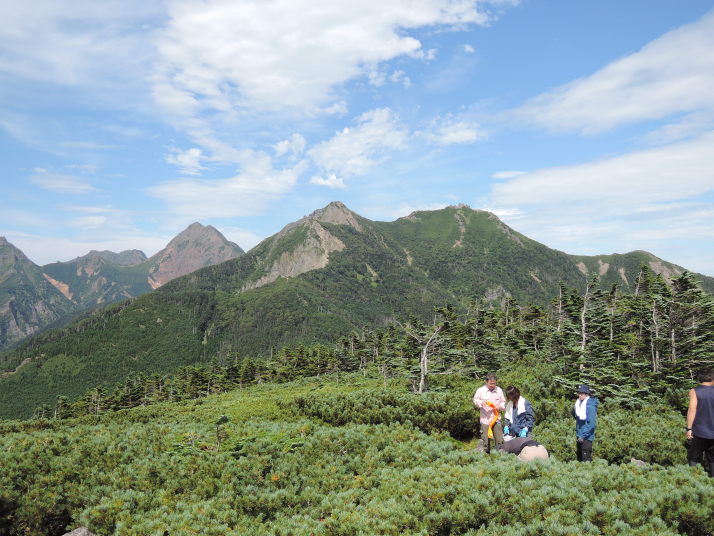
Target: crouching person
<point>525,448</point>
<point>519,414</point>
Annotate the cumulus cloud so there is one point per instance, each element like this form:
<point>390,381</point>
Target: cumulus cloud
<point>245,194</point>
<point>331,181</point>
<point>468,49</point>
<point>287,54</point>
<point>671,75</point>
<point>294,145</point>
<point>63,184</point>
<point>355,151</point>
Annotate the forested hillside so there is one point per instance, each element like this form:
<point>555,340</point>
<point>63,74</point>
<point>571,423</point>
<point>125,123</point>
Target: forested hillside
<point>335,274</point>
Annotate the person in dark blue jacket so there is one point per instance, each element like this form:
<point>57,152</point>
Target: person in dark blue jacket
<point>585,413</point>
<point>519,414</point>
<point>700,422</point>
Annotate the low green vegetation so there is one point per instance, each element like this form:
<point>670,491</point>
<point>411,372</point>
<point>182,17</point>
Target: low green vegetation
<point>341,456</point>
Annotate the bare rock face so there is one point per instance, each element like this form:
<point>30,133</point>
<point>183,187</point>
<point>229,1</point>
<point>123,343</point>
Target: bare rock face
<point>336,213</point>
<point>81,531</point>
<point>310,254</point>
<point>196,247</point>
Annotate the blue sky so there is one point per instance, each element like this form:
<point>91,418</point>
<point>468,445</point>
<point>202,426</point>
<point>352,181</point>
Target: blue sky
<point>588,126</point>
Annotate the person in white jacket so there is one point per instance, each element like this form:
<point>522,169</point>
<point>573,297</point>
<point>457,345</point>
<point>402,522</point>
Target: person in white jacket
<point>489,398</point>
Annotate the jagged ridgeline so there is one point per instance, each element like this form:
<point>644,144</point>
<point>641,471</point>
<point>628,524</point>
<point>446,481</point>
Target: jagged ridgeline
<point>315,281</point>
<point>34,298</point>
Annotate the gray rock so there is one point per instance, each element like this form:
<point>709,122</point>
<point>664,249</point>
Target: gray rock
<point>638,463</point>
<point>81,531</point>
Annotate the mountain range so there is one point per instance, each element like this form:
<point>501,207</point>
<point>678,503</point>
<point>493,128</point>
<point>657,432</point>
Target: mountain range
<point>34,297</point>
<point>331,273</point>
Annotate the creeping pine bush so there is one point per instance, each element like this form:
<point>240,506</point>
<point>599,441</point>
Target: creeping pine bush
<point>653,435</point>
<point>429,412</point>
<point>302,478</point>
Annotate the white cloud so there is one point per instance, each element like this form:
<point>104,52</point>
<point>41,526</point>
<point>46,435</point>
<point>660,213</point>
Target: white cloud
<point>648,199</point>
<point>89,222</point>
<point>294,145</point>
<point>355,151</point>
<point>188,162</point>
<point>64,184</point>
<point>287,54</point>
<point>671,75</point>
<point>660,175</point>
<point>448,131</point>
<point>245,239</point>
<point>469,49</point>
<point>506,174</point>
<point>331,181</point>
<point>242,195</point>
<point>77,42</point>
<point>392,212</point>
<point>400,77</point>
<point>503,212</point>
<point>87,169</point>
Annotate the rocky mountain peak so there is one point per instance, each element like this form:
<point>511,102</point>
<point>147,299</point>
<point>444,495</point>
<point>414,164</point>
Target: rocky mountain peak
<point>195,247</point>
<point>337,213</point>
<point>10,254</point>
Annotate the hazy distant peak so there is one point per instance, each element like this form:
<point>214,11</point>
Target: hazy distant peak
<point>129,257</point>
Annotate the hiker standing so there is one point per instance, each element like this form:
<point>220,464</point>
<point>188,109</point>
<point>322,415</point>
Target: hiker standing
<point>519,414</point>
<point>700,421</point>
<point>488,399</point>
<point>585,413</point>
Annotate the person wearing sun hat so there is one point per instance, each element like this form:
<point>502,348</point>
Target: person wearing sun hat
<point>585,414</point>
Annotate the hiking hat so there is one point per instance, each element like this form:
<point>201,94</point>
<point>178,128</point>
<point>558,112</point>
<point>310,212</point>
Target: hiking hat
<point>583,389</point>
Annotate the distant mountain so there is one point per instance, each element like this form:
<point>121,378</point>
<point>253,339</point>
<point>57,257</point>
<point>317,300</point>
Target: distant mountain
<point>318,278</point>
<point>27,298</point>
<point>96,279</point>
<point>130,257</point>
<point>196,247</point>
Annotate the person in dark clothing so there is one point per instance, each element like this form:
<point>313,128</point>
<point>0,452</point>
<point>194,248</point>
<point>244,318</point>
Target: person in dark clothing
<point>700,422</point>
<point>519,414</point>
<point>526,448</point>
<point>585,413</point>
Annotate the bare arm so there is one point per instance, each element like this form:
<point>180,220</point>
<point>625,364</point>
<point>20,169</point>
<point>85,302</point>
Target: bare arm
<point>691,412</point>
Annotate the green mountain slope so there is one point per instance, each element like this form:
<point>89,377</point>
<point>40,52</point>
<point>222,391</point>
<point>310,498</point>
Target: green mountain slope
<point>319,278</point>
<point>28,301</point>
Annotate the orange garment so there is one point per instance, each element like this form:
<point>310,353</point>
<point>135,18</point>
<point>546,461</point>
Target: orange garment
<point>494,420</point>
